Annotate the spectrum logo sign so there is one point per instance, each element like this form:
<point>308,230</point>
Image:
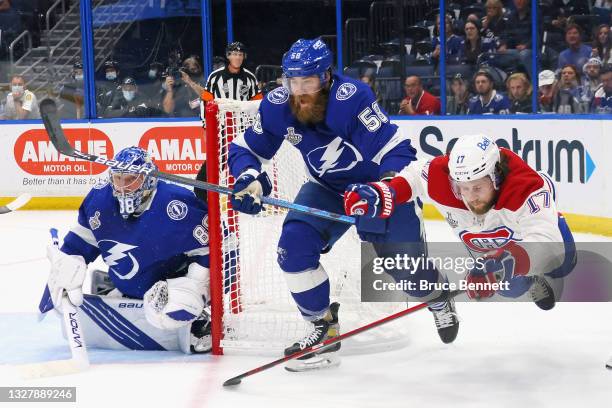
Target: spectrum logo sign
<point>35,154</point>
<point>178,149</point>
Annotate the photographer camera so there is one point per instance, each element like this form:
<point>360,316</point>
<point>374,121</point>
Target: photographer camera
<point>182,98</point>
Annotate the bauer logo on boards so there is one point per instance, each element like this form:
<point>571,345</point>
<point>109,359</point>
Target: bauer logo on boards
<point>36,155</point>
<point>176,149</point>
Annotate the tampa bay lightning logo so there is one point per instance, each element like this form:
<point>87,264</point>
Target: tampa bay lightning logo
<point>118,257</point>
<point>338,155</point>
<point>278,95</point>
<point>177,210</point>
<point>345,91</point>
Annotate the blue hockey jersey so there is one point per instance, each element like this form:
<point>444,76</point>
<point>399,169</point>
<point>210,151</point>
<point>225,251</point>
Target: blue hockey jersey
<point>498,105</point>
<point>140,251</point>
<point>355,143</point>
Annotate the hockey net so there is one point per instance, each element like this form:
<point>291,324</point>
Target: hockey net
<point>252,309</point>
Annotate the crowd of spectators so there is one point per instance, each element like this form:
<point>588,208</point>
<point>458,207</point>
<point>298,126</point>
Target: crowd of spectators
<point>489,55</point>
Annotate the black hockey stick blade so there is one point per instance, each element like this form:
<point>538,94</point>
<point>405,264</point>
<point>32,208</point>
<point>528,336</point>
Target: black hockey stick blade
<point>329,342</point>
<point>48,112</point>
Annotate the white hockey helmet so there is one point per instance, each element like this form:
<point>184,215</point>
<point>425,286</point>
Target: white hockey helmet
<point>474,157</point>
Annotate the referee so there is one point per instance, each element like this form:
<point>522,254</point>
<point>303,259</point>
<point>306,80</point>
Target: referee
<point>233,81</point>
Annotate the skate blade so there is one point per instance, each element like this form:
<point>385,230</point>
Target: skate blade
<point>315,363</point>
<point>609,365</point>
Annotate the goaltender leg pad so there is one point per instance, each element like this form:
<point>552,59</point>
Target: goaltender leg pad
<point>120,324</point>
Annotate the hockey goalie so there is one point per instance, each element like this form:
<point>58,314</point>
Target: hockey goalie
<point>153,236</point>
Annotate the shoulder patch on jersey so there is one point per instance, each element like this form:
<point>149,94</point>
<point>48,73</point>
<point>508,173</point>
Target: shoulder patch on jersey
<point>345,91</point>
<point>101,183</point>
<point>521,181</point>
<point>94,222</point>
<point>292,137</point>
<point>177,210</point>
<point>257,128</point>
<point>438,184</point>
<point>278,96</point>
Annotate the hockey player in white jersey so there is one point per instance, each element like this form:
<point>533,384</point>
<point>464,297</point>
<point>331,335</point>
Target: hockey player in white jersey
<point>500,208</point>
<point>153,236</point>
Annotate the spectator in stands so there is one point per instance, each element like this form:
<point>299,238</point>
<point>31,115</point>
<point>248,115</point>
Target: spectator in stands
<point>154,87</point>
<point>218,62</point>
<point>130,103</point>
<point>519,91</point>
<point>453,42</point>
<point>546,91</point>
<point>487,100</point>
<point>108,89</point>
<point>577,53</point>
<point>418,101</point>
<point>602,102</point>
<point>182,98</point>
<point>518,36</point>
<point>71,94</point>
<point>474,44</point>
<point>233,81</point>
<point>368,79</point>
<point>590,78</point>
<point>569,97</point>
<point>20,103</point>
<point>457,102</point>
<point>562,9</point>
<point>603,9</point>
<point>494,23</point>
<point>602,44</point>
<point>10,24</point>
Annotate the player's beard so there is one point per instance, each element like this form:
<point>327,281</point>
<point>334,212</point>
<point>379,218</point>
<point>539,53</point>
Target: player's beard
<point>310,109</point>
<point>479,207</point>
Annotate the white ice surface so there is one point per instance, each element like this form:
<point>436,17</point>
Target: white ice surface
<point>506,355</point>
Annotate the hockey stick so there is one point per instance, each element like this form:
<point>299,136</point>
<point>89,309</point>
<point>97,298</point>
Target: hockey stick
<point>19,202</point>
<point>327,343</point>
<point>48,112</point>
<point>72,326</point>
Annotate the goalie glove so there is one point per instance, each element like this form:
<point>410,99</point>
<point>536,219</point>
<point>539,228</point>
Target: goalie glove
<point>67,273</point>
<point>248,190</point>
<point>173,303</point>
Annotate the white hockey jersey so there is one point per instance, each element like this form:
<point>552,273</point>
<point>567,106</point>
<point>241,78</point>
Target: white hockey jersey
<point>525,212</point>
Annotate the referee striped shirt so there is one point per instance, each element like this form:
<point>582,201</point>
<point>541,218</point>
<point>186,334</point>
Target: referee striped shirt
<point>223,84</point>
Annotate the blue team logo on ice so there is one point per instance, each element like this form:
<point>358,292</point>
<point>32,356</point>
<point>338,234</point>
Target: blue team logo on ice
<point>278,95</point>
<point>177,210</point>
<point>338,155</point>
<point>345,91</point>
<point>118,258</point>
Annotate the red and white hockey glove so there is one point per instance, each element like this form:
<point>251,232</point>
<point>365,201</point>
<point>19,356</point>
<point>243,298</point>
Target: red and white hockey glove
<point>497,267</point>
<point>370,200</point>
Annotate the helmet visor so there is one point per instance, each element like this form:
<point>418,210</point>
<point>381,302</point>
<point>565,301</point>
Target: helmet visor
<point>303,85</point>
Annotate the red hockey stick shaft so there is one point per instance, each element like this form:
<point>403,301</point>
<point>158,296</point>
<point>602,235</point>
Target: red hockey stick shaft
<point>238,379</point>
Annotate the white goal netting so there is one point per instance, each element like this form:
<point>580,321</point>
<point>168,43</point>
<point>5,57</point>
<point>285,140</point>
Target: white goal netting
<point>259,314</point>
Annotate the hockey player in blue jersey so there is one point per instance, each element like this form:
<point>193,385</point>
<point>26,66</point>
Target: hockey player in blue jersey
<point>153,236</point>
<point>344,138</point>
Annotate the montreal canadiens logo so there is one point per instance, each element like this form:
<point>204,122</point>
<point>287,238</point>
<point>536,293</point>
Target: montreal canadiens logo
<point>177,210</point>
<point>484,241</point>
<point>345,91</point>
<point>278,95</point>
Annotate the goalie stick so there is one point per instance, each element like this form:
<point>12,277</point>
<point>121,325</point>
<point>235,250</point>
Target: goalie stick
<point>48,112</point>
<point>78,350</point>
<point>333,340</point>
<point>19,202</point>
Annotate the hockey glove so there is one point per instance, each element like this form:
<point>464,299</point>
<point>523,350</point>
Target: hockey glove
<point>248,189</point>
<point>369,200</point>
<point>173,303</point>
<point>67,273</point>
<point>497,267</point>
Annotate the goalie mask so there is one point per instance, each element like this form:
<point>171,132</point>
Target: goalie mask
<point>132,190</point>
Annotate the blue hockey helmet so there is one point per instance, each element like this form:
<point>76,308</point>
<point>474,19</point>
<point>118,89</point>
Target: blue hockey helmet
<point>306,58</point>
<point>132,189</point>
